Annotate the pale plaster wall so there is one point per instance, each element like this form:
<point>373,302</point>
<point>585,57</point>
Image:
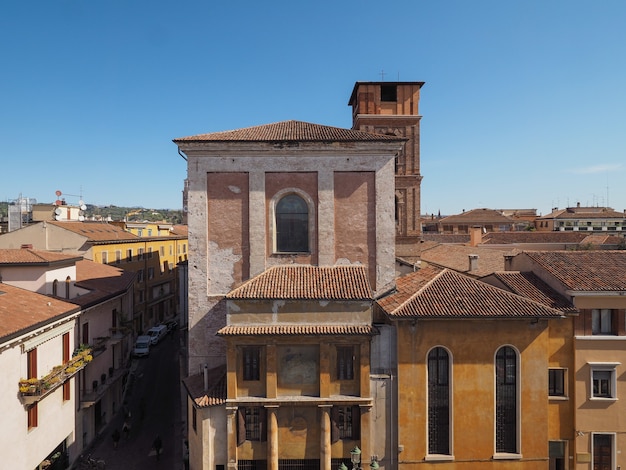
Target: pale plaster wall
<point>21,447</point>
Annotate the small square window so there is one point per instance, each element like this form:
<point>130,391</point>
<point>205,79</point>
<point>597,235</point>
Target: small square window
<point>603,381</point>
<point>602,321</point>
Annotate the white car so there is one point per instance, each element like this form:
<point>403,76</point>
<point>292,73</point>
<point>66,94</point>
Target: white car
<point>142,346</point>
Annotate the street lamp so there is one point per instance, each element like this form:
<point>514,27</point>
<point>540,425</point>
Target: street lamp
<point>355,457</point>
<point>374,465</point>
<point>343,466</point>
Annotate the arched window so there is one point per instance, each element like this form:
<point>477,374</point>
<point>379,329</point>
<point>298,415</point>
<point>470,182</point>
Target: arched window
<point>438,401</point>
<point>292,224</point>
<point>506,400</point>
<point>55,287</point>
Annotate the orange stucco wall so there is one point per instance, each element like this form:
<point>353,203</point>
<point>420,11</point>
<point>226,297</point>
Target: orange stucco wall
<point>472,345</point>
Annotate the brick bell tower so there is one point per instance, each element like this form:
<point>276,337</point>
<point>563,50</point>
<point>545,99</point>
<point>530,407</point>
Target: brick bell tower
<point>392,108</point>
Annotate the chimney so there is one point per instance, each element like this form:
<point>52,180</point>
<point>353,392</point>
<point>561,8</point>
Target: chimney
<point>508,260</point>
<point>26,246</point>
<point>473,262</point>
<point>476,235</point>
<point>206,377</point>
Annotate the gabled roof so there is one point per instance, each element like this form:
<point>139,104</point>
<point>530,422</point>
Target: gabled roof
<point>490,216</point>
<point>97,231</point>
<point>532,287</point>
<point>215,394</point>
<point>22,310</point>
<point>30,257</point>
<point>584,213</point>
<point>300,282</point>
<point>290,131</point>
<point>103,282</point>
<point>436,293</point>
<point>588,271</point>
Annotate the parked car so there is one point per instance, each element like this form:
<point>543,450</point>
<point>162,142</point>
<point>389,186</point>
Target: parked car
<point>157,333</point>
<point>142,346</point>
<point>171,325</point>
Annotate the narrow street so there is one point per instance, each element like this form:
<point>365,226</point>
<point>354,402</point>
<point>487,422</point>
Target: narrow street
<point>153,399</point>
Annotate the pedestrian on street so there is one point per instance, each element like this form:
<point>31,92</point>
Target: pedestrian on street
<point>116,437</point>
<point>157,445</point>
<point>126,428</point>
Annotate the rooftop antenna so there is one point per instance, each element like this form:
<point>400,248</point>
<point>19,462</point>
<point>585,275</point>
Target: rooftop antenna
<point>382,75</point>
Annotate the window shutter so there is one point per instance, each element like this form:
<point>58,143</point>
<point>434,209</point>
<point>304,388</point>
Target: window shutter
<point>241,426</point>
<point>356,422</point>
<point>334,428</point>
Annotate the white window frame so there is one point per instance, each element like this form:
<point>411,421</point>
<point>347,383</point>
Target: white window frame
<point>604,367</point>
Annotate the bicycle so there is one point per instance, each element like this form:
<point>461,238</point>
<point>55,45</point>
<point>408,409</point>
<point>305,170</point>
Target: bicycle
<point>91,463</point>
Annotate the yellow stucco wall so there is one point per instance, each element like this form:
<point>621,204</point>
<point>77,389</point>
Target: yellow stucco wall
<point>472,345</point>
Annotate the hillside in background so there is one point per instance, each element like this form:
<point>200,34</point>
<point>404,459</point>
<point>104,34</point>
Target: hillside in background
<point>130,214</point>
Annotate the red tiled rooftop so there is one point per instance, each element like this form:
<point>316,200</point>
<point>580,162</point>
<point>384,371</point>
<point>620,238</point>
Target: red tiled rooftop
<point>21,310</point>
<point>477,216</point>
<point>445,294</point>
<point>530,286</point>
<point>302,282</point>
<point>457,257</point>
<point>587,271</point>
<point>103,281</point>
<point>9,256</point>
<point>215,394</point>
<point>97,231</point>
<point>286,131</point>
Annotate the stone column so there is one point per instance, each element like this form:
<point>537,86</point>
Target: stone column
<point>231,424</point>
<point>272,437</point>
<point>325,449</point>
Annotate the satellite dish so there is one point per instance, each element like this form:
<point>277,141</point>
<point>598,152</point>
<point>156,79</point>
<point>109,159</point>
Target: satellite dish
<point>58,211</point>
<point>81,218</point>
<point>57,217</point>
<point>81,202</point>
<point>83,207</point>
<point>58,202</point>
<point>58,193</point>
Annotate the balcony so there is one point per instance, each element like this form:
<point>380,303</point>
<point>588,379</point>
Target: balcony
<point>33,390</point>
<point>89,397</point>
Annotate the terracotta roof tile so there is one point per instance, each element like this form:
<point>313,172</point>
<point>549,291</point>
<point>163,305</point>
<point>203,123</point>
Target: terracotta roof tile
<point>593,270</point>
<point>307,282</point>
<point>296,330</point>
<point>97,231</point>
<point>530,286</point>
<point>457,257</point>
<point>21,310</point>
<point>445,294</point>
<point>501,238</point>
<point>477,216</point>
<point>29,256</point>
<point>215,394</point>
<point>294,131</point>
<point>103,281</point>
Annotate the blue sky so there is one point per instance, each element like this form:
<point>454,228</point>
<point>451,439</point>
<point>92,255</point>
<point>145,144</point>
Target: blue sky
<point>524,104</point>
